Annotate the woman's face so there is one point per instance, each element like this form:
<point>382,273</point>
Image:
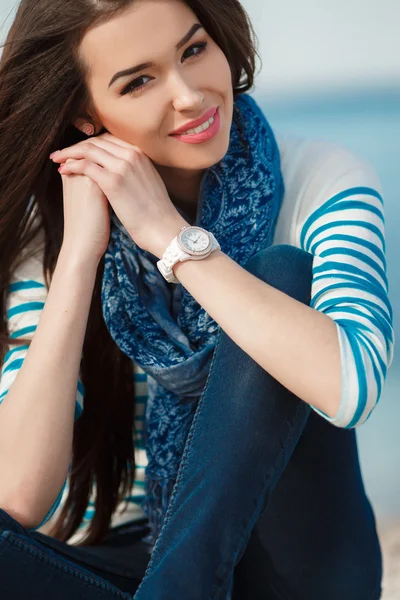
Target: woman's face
<point>181,85</point>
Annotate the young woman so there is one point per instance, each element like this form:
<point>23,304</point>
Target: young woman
<point>187,278</point>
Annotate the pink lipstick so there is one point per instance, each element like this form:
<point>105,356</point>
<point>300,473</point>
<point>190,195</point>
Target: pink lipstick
<point>204,136</point>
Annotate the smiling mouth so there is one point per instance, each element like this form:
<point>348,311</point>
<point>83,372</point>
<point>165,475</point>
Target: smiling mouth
<point>200,128</point>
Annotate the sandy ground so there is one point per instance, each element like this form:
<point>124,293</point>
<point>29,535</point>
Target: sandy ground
<point>390,540</point>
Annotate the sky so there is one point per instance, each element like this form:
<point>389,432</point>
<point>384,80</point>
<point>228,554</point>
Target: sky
<point>311,43</point>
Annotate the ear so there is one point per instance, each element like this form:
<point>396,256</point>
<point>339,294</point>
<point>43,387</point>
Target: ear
<point>80,122</point>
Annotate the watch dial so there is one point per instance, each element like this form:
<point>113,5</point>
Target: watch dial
<point>195,240</point>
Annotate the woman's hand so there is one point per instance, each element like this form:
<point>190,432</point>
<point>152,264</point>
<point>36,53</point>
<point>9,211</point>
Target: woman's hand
<point>131,184</point>
<point>87,215</point>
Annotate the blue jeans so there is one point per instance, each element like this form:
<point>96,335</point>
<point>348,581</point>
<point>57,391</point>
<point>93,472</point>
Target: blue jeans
<point>269,503</point>
<point>39,567</point>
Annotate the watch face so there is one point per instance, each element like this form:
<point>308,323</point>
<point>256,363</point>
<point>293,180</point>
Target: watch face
<point>195,240</point>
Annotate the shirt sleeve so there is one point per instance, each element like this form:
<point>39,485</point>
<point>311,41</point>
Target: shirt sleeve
<point>337,215</point>
<point>26,298</point>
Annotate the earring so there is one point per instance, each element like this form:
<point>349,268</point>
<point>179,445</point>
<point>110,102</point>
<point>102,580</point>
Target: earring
<point>88,129</point>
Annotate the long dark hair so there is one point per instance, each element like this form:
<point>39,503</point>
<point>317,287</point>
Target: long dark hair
<point>42,92</point>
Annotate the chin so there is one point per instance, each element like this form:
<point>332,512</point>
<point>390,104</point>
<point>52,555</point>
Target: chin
<point>208,162</point>
<point>202,157</point>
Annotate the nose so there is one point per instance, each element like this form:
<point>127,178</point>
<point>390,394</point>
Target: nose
<point>185,95</point>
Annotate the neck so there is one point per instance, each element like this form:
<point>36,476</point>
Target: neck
<point>183,187</point>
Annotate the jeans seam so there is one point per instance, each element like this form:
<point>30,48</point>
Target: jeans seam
<point>91,561</point>
<point>227,574</point>
<point>9,537</point>
<point>185,455</point>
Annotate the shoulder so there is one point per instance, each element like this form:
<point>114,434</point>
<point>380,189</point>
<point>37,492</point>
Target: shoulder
<point>27,290</point>
<point>30,262</point>
<point>25,300</point>
<point>317,161</point>
<point>315,171</point>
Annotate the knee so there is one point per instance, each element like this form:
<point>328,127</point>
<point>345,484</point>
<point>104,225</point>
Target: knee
<point>287,268</point>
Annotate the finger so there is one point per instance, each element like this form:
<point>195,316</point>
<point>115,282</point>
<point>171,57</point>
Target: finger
<point>62,174</point>
<point>122,151</point>
<point>87,149</point>
<point>85,167</point>
<point>112,138</point>
<point>93,153</point>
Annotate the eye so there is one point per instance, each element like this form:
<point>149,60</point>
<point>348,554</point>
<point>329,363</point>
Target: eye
<point>134,85</point>
<point>200,46</point>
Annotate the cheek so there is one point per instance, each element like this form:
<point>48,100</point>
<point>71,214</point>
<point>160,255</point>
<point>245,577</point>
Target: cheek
<point>218,70</point>
<point>136,129</point>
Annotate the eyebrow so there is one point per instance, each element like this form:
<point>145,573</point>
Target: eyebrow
<point>147,65</point>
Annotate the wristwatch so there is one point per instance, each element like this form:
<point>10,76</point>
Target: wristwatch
<point>191,243</point>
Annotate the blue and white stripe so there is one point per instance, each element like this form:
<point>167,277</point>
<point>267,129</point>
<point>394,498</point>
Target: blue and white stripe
<point>346,235</point>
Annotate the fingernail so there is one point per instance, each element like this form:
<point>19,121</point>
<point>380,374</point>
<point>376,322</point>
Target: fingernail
<point>60,168</point>
<point>54,153</point>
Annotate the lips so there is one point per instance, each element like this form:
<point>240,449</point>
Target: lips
<point>197,122</point>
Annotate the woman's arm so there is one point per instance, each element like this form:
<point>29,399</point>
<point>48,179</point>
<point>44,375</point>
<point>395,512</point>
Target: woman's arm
<point>334,354</point>
<point>39,397</point>
<point>297,345</point>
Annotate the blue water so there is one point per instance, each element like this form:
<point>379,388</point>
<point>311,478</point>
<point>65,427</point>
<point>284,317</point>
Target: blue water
<point>368,123</point>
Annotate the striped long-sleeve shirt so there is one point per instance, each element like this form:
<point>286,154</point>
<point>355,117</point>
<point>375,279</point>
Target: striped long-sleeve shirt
<point>334,210</point>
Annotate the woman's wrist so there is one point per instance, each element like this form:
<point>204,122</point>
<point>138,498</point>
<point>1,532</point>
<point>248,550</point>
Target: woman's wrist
<point>72,259</point>
<point>158,241</point>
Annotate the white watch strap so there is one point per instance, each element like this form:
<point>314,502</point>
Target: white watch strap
<point>174,254</point>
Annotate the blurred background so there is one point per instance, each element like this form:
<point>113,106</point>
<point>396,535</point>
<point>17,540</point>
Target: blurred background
<point>331,70</point>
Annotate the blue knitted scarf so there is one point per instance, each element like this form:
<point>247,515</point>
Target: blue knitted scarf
<point>159,325</point>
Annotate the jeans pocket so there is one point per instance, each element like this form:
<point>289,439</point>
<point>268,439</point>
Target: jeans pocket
<point>28,570</point>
